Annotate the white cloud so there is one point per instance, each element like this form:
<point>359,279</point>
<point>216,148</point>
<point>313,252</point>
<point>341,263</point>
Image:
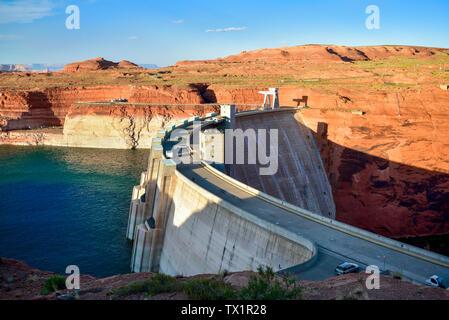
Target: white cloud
<point>25,11</point>
<point>10,37</point>
<point>227,29</point>
<point>132,37</point>
<point>178,21</point>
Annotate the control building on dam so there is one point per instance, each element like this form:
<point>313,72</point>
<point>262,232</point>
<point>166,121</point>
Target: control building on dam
<point>203,214</point>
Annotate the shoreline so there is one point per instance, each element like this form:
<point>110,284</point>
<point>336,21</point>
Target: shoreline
<point>55,137</point>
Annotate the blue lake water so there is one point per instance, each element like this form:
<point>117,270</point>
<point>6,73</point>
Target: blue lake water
<point>68,206</point>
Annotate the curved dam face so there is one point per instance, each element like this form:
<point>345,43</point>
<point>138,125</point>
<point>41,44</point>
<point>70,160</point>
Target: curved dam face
<point>204,234</point>
<point>196,231</point>
<point>301,177</point>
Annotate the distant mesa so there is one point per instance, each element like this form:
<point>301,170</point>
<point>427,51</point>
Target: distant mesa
<point>12,67</point>
<point>127,64</point>
<point>321,54</point>
<point>99,64</point>
<point>149,66</point>
<point>35,67</point>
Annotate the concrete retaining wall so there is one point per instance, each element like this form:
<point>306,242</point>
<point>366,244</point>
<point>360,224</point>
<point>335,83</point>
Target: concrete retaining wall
<point>205,234</point>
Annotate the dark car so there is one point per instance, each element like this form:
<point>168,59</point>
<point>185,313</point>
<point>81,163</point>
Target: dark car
<point>347,267</point>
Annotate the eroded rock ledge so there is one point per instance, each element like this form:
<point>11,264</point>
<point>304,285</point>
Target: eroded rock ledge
<point>18,281</point>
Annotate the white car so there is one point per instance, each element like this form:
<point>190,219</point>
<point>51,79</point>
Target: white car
<point>435,281</point>
<point>347,267</point>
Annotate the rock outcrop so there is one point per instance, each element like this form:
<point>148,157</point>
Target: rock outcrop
<point>30,109</point>
<point>12,67</point>
<point>20,282</point>
<point>123,126</point>
<point>320,54</point>
<point>98,64</point>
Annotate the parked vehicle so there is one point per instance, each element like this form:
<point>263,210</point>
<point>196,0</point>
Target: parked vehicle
<point>436,281</point>
<point>347,267</point>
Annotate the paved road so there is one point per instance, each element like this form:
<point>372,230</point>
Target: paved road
<point>334,246</point>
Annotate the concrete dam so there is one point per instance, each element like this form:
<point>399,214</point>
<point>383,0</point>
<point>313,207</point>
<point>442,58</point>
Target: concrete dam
<point>192,218</point>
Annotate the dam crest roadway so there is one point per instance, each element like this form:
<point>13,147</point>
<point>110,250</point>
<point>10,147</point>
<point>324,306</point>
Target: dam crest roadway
<point>189,219</point>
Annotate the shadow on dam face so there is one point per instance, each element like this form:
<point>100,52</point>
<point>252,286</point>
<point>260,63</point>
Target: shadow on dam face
<point>204,234</point>
<point>370,192</point>
<point>301,178</point>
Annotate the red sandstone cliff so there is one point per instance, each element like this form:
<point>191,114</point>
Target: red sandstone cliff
<point>49,106</point>
<point>319,54</point>
<point>98,64</point>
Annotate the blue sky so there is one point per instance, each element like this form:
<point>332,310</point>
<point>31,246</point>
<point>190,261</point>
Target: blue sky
<point>163,32</point>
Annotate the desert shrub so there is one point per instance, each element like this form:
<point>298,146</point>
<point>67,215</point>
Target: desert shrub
<point>110,293</point>
<point>266,287</point>
<point>208,289</point>
<point>53,284</point>
<point>159,283</point>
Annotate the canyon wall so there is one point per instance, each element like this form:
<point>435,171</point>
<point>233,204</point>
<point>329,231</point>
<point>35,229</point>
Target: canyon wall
<point>123,126</point>
<point>31,109</point>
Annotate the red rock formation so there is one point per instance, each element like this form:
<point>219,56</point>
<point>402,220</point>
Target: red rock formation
<point>48,107</point>
<point>97,64</point>
<point>127,65</point>
<point>389,173</point>
<point>123,126</point>
<point>320,54</point>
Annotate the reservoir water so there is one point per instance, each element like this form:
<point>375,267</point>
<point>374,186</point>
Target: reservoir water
<point>68,206</point>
